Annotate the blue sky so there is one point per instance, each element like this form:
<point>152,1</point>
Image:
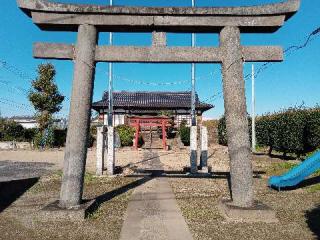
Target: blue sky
<point>292,82</point>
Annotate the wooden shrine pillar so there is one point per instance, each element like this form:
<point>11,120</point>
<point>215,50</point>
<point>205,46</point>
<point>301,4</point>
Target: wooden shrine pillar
<point>136,141</point>
<point>164,135</point>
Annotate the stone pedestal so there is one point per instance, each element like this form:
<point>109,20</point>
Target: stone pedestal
<point>100,150</point>
<point>111,152</point>
<point>54,212</point>
<point>204,149</point>
<point>258,212</point>
<point>193,149</point>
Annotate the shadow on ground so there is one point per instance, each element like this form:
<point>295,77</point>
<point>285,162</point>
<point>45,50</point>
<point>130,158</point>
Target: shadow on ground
<point>305,183</point>
<point>313,221</point>
<point>10,191</point>
<point>116,192</point>
<point>185,174</point>
<point>309,182</point>
<point>147,159</point>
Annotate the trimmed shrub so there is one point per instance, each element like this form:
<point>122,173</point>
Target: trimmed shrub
<point>44,139</point>
<point>13,131</point>
<point>222,131</point>
<point>38,140</point>
<point>184,132</point>
<point>29,134</point>
<point>185,135</point>
<point>60,136</point>
<point>126,134</point>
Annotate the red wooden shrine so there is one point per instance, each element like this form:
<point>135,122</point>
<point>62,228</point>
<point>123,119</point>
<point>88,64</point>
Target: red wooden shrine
<point>138,122</point>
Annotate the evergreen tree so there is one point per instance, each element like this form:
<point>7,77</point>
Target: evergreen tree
<point>45,97</point>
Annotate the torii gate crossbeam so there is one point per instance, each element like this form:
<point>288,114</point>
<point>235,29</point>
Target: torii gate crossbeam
<point>89,20</point>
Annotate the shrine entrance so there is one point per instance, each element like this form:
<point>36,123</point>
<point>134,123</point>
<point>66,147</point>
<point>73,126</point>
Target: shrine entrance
<point>138,122</point>
<point>89,20</point>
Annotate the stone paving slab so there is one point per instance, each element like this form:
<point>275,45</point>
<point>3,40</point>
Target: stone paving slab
<point>153,213</point>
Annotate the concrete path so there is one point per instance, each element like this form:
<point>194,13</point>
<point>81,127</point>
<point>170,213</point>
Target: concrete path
<point>153,212</point>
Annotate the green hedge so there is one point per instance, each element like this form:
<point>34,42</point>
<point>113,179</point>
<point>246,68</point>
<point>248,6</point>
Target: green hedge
<point>12,131</point>
<point>294,130</point>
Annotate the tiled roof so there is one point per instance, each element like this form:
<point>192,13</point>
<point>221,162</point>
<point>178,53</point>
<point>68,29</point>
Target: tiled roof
<point>151,100</point>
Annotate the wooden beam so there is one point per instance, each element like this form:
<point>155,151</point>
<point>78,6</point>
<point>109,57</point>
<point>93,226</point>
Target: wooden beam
<point>157,54</point>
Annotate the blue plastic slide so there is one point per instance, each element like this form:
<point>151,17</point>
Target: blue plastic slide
<point>298,173</point>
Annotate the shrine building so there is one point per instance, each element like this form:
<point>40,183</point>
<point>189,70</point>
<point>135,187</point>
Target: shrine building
<point>128,104</point>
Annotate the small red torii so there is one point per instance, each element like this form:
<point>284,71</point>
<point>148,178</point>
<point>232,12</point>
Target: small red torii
<point>160,121</point>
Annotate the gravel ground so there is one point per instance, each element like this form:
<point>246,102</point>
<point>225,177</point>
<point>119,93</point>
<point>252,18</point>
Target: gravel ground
<point>298,210</point>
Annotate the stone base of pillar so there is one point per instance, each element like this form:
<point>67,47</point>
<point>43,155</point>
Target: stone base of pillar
<point>193,150</point>
<point>110,153</point>
<point>204,170</point>
<point>53,212</point>
<point>259,212</point>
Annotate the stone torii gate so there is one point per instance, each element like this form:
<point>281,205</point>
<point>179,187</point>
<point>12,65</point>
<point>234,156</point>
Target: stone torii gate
<point>89,20</point>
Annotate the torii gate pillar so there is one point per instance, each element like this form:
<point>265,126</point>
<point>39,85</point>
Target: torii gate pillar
<point>236,117</point>
<point>79,118</point>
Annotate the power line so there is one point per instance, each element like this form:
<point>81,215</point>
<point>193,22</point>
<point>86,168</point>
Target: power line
<point>16,103</point>
<point>17,106</point>
<point>288,52</point>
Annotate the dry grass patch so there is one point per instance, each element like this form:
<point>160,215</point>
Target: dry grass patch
<point>19,221</point>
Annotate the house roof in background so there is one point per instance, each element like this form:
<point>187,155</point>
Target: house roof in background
<point>151,100</point>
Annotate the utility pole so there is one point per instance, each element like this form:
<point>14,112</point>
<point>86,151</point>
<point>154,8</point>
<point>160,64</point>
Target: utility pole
<point>193,81</point>
<point>110,85</point>
<point>253,109</point>
<point>193,129</point>
<point>110,135</point>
